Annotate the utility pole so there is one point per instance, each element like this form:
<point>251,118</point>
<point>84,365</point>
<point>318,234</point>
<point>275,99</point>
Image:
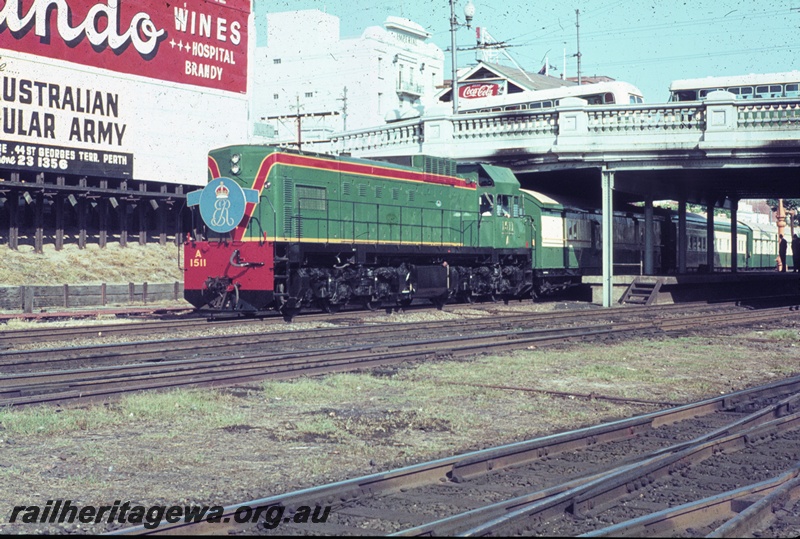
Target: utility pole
<point>299,117</point>
<point>343,99</point>
<point>469,12</point>
<point>578,54</point>
<point>299,130</point>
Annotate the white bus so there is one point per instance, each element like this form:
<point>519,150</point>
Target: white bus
<point>599,93</point>
<point>760,86</point>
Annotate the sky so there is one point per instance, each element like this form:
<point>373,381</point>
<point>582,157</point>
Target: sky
<point>646,43</point>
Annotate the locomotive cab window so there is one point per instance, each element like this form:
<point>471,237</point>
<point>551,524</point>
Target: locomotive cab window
<point>503,208</point>
<point>487,203</point>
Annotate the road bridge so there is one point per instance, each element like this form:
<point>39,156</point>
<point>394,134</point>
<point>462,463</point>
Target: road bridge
<point>714,153</point>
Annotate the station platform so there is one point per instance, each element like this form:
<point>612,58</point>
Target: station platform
<point>717,286</point>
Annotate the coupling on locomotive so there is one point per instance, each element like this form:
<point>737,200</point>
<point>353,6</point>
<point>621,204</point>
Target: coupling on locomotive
<point>284,230</point>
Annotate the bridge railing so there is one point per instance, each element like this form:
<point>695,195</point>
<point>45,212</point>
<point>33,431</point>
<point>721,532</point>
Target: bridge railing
<point>768,115</point>
<point>712,124</point>
<point>661,118</point>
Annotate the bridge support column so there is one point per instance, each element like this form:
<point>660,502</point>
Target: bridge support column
<point>682,245</point>
<point>608,235</point>
<point>734,238</point>
<point>710,234</point>
<point>648,236</point>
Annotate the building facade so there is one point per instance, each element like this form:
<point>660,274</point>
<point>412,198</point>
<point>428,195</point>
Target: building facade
<point>334,84</point>
<point>105,114</point>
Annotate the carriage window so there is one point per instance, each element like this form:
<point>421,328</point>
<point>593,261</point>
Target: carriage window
<point>792,90</point>
<point>547,104</point>
<point>609,98</point>
<point>686,95</point>
<point>776,90</point>
<point>747,92</point>
<point>761,91</point>
<point>535,106</point>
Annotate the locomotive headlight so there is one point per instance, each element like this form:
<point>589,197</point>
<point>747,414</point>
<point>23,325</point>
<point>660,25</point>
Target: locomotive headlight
<point>235,160</point>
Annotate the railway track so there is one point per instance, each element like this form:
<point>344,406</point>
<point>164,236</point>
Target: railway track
<point>727,465</point>
<point>31,360</point>
<point>173,324</point>
<point>96,371</point>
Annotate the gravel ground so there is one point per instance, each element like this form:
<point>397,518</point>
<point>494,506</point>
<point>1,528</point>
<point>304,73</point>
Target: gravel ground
<point>237,444</point>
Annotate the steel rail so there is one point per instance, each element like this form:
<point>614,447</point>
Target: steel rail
<point>23,389</point>
<point>588,499</point>
<point>724,506</point>
<point>761,512</point>
<point>159,349</point>
<point>138,349</point>
<point>480,462</point>
<point>12,337</point>
<point>560,498</point>
<point>217,371</point>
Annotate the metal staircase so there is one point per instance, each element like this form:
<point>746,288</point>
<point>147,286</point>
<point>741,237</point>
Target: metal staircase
<point>641,292</point>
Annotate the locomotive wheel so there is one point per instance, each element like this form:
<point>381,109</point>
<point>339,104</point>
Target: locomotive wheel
<point>439,303</point>
<point>289,313</point>
<point>372,305</point>
<point>331,308</point>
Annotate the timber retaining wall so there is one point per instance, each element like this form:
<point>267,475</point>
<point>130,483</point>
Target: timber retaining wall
<point>34,298</point>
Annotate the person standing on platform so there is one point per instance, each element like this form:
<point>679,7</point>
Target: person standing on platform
<point>782,251</point>
<point>796,253</point>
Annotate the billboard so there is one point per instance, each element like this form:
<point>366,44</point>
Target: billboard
<point>478,90</point>
<point>122,88</point>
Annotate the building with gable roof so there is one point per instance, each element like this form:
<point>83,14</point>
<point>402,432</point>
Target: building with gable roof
<point>485,79</point>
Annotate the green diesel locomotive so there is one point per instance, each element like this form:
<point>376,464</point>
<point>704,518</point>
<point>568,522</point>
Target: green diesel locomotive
<point>286,230</point>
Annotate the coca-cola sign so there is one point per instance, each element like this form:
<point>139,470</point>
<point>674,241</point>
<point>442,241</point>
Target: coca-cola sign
<point>477,91</point>
<point>199,42</point>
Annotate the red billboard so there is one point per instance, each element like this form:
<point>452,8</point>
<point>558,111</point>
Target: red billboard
<point>479,90</point>
<point>198,42</point>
